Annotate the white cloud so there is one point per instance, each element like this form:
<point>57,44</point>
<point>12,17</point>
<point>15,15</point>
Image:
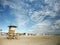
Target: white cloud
<point>36,16</point>
<point>21,21</point>
<point>58,21</point>
<point>41,27</point>
<point>55,4</point>
<point>5,2</point>
<point>40,15</point>
<point>19,12</point>
<point>31,0</point>
<point>46,27</point>
<point>46,0</point>
<point>13,5</point>
<point>56,25</point>
<point>50,13</point>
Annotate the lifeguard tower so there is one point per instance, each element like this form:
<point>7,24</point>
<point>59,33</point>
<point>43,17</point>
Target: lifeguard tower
<point>11,32</point>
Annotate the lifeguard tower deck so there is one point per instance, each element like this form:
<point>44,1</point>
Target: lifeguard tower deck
<point>11,32</point>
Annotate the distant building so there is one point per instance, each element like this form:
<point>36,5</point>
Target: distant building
<point>3,34</point>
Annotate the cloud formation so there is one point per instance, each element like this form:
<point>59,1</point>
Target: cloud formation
<point>40,15</point>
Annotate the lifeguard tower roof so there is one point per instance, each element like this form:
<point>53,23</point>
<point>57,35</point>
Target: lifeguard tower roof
<point>12,26</point>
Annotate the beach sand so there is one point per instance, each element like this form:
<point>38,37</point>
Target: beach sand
<point>32,40</point>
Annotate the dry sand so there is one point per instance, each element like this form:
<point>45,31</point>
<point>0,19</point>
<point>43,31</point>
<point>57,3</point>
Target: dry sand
<point>32,40</point>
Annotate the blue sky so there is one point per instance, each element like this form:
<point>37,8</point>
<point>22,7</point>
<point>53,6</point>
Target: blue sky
<point>31,16</point>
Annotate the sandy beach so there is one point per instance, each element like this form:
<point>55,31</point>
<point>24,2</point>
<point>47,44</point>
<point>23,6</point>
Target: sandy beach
<point>32,40</point>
